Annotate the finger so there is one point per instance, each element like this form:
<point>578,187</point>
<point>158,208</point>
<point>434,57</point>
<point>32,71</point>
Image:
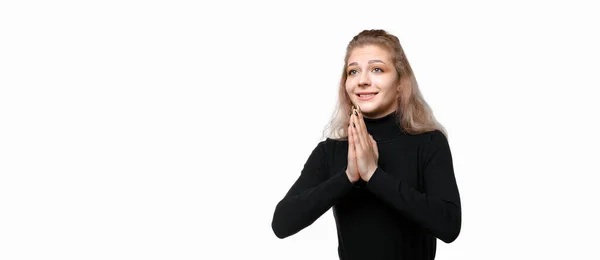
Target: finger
<point>351,144</point>
<point>362,132</point>
<point>356,135</point>
<point>351,150</point>
<point>350,139</point>
<point>375,149</point>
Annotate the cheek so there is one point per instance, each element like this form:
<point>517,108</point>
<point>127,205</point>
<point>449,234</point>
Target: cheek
<point>384,84</point>
<point>348,87</point>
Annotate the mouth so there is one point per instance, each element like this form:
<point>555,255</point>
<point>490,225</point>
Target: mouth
<point>366,96</point>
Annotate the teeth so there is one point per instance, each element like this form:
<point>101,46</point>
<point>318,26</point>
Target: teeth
<point>368,95</point>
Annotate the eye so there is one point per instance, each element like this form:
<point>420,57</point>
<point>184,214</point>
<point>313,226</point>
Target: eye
<point>378,69</point>
<point>350,72</point>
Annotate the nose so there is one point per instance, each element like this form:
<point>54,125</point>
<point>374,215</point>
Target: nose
<point>364,80</point>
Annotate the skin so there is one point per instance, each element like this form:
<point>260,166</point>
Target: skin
<point>369,69</point>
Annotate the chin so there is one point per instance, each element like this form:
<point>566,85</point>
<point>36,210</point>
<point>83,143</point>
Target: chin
<point>366,107</point>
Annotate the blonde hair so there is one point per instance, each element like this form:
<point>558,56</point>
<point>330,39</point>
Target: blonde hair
<point>415,115</point>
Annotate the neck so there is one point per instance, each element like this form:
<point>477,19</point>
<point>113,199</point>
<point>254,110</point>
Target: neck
<point>383,128</point>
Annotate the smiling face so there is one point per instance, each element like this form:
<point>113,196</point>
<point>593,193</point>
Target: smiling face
<point>370,70</point>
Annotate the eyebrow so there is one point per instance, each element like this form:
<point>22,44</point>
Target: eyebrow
<point>371,61</point>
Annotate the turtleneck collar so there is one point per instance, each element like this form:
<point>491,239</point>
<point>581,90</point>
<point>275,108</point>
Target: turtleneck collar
<point>383,128</point>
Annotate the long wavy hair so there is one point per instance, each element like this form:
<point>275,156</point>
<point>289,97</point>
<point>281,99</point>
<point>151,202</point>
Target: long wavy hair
<point>415,115</point>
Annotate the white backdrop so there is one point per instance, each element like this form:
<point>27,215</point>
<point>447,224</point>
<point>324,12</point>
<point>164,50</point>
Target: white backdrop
<point>171,129</point>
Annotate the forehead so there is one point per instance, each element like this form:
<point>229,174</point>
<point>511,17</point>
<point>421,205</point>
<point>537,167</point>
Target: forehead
<point>365,53</point>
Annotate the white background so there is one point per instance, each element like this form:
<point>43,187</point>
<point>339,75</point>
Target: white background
<point>171,129</point>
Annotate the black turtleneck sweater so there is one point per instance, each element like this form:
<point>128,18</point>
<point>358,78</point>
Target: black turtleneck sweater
<point>411,199</point>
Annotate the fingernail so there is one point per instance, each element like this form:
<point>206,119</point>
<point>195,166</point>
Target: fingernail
<point>356,114</point>
<point>353,125</point>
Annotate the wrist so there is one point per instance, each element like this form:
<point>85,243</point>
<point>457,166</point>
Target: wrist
<point>371,174</point>
<point>349,177</point>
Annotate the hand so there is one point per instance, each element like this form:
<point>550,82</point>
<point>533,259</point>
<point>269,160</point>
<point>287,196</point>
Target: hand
<point>352,168</point>
<point>365,147</point>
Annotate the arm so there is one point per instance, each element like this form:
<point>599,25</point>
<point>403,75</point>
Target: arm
<point>437,210</point>
<point>311,196</point>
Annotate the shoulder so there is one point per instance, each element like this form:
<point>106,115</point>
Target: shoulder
<point>435,141</point>
<point>332,146</point>
<point>330,142</point>
<point>433,144</point>
<point>436,136</point>
<point>325,150</point>
<point>325,146</point>
<point>429,137</point>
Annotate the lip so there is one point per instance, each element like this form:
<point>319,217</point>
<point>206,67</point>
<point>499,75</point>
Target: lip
<point>365,98</point>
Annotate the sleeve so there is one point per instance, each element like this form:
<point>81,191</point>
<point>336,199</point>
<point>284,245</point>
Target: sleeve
<point>313,193</point>
<point>439,208</point>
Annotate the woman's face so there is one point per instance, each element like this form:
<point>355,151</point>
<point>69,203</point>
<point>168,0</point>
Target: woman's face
<point>370,70</point>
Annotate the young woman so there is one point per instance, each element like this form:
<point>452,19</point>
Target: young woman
<point>386,167</point>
